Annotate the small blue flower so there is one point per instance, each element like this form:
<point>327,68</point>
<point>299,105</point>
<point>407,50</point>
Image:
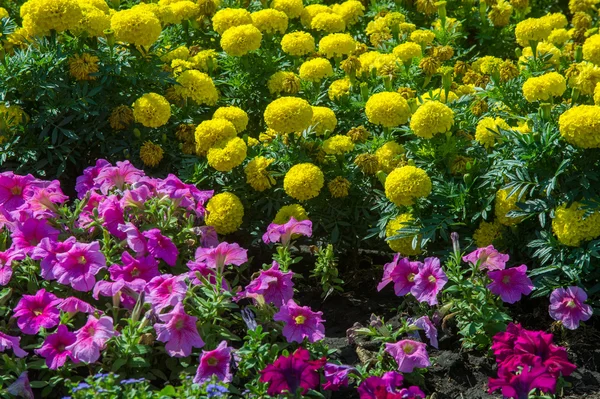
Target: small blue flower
<point>82,385</point>
<point>100,376</point>
<point>215,391</point>
<point>132,381</point>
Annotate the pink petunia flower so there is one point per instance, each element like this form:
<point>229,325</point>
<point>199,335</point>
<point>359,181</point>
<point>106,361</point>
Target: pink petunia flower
<point>115,289</point>
<point>429,281</point>
<point>26,235</point>
<point>336,376</point>
<point>73,305</point>
<point>292,373</point>
<point>284,232</point>
<point>402,272</point>
<point>141,267</point>
<point>37,311</point>
<point>222,255</point>
<point>215,362</point>
<point>54,349</point>
<point>92,338</point>
<point>300,322</point>
<point>135,240</point>
<point>161,247</point>
<point>568,306</point>
<point>488,258</point>
<point>79,265</point>
<point>409,355</point>
<point>273,285</point>
<point>10,342</point>
<point>111,212</point>
<point>110,177</point>
<point>136,197</point>
<point>425,324</point>
<point>42,200</point>
<point>379,387</point>
<point>85,182</point>
<point>6,260</point>
<point>510,284</point>
<point>520,385</point>
<point>12,190</point>
<point>165,290</point>
<point>179,332</point>
<point>46,252</point>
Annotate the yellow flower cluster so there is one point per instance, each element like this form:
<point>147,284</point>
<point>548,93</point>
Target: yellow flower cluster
<point>323,120</point>
<point>406,184</point>
<point>227,154</point>
<point>487,233</point>
<point>287,212</point>
<point>431,118</point>
<point>225,213</point>
<point>572,225</point>
<point>81,67</point>
<point>270,21</point>
<point>387,109</point>
<point>257,175</point>
<point>240,40</point>
<point>580,126</point>
<point>151,154</point>
<point>329,23</point>
<point>338,145</point>
<point>543,88</point>
<point>292,8</point>
<point>298,43</point>
<point>197,86</point>
<point>487,132</point>
<point>303,181</point>
<point>407,51</point>
<point>136,26</point>
<point>235,115</point>
<point>230,17</point>
<point>389,156</point>
<point>42,16</point>
<point>151,110</point>
<point>288,115</point>
<point>316,69</point>
<point>504,204</point>
<point>403,245</point>
<point>338,187</point>
<point>591,49</point>
<point>532,30</point>
<point>209,132</point>
<point>338,89</point>
<point>337,45</point>
<point>282,82</point>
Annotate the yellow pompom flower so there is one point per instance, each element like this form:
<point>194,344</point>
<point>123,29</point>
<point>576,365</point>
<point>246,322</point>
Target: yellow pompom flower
<point>3,13</point>
<point>559,37</point>
<point>82,66</point>
<point>240,40</point>
<point>542,50</point>
<point>230,17</point>
<point>432,118</point>
<point>403,246</point>
<point>288,115</point>
<point>311,10</point>
<point>587,78</point>
<point>504,204</point>
<point>500,14</point>
<point>270,21</point>
<point>367,163</point>
<point>531,30</point>
<point>227,154</point>
<point>405,52</point>
<point>42,16</point>
<point>209,132</point>
<point>580,126</point>
<point>152,110</point>
<point>555,20</point>
<point>298,43</point>
<point>120,117</point>
<point>487,233</point>
<point>303,181</point>
<point>180,53</point>
<point>338,187</point>
<point>257,175</point>
<point>94,22</point>
<point>385,64</point>
<point>287,212</point>
<point>151,154</point>
<point>204,59</point>
<point>337,45</point>
<point>389,156</point>
<point>316,69</point>
<point>225,213</point>
<point>198,87</point>
<point>284,82</point>
<point>543,88</point>
<point>184,10</point>
<point>291,8</point>
<point>422,37</point>
<point>338,145</point>
<point>330,23</point>
<point>338,89</point>
<point>388,109</point>
<point>407,183</point>
<point>358,134</point>
<point>323,120</point>
<point>350,11</point>
<point>488,132</point>
<point>591,49</point>
<point>572,227</point>
<point>139,27</point>
<point>235,115</point>
<point>597,94</point>
<point>367,61</point>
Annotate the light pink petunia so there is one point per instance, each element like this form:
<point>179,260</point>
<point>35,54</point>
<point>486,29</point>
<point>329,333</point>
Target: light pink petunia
<point>46,252</point>
<point>179,332</point>
<point>300,322</point>
<point>488,258</point>
<point>73,305</point>
<point>272,285</point>
<point>27,234</point>
<point>110,177</point>
<point>135,239</point>
<point>79,265</point>
<point>215,362</point>
<point>161,247</point>
<point>6,260</point>
<point>429,281</point>
<point>85,182</point>
<point>37,311</point>
<point>284,232</point>
<point>165,290</point>
<point>222,255</point>
<point>10,342</point>
<point>92,338</point>
<point>409,355</point>
<point>401,272</point>
<point>568,306</point>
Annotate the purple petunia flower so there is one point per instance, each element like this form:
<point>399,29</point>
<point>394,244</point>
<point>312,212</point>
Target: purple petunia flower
<point>111,212</point>
<point>488,257</point>
<point>413,392</point>
<point>409,355</point>
<point>300,322</point>
<point>92,338</point>
<point>27,234</point>
<point>284,232</point>
<point>519,385</point>
<point>73,305</point>
<point>273,285</point>
<point>568,306</point>
<point>511,283</point>
<point>54,349</point>
<point>42,200</point>
<point>379,387</point>
<point>425,324</point>
<point>179,332</point>
<point>79,265</point>
<point>136,197</point>
<point>161,247</point>
<point>6,259</point>
<point>429,281</point>
<point>401,272</point>
<point>10,342</point>
<point>291,373</point>
<point>141,267</point>
<point>216,362</point>
<point>37,311</point>
<point>165,290</point>
<point>110,177</point>
<point>21,387</point>
<point>222,255</point>
<point>12,190</point>
<point>46,252</point>
<point>85,182</point>
<point>135,239</point>
<point>336,376</point>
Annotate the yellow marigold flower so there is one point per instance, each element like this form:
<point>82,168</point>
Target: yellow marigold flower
<point>531,30</point>
<point>287,212</point>
<point>544,87</point>
<point>257,175</point>
<point>586,79</point>
<point>358,134</point>
<point>368,163</point>
<point>559,37</point>
<point>42,16</point>
<point>407,27</point>
<point>422,37</point>
<point>227,154</point>
<point>591,49</point>
<point>180,53</point>
<point>427,7</point>
<point>337,45</point>
<point>151,154</point>
<point>330,23</point>
<point>185,132</point>
<point>288,115</point>
<point>284,82</point>
<point>338,145</point>
<point>316,69</point>
<point>338,187</point>
<point>270,21</point>
<point>571,225</point>
<point>367,61</point>
<point>251,141</point>
<point>165,15</point>
<point>323,120</point>
<point>120,117</point>
<point>385,64</point>
<point>487,233</point>
<point>184,10</point>
<point>487,131</point>
<point>459,164</point>
<point>180,66</point>
<point>311,10</point>
<point>350,11</point>
<point>404,245</point>
<point>94,22</point>
<point>82,66</point>
<point>405,52</point>
<point>597,94</point>
<point>500,14</point>
<point>240,40</point>
<point>378,26</point>
<point>138,27</point>
<point>338,89</point>
<point>508,71</point>
<point>520,4</point>
<point>582,21</point>
<point>542,50</point>
<point>151,110</point>
<point>230,17</point>
<point>11,116</point>
<point>204,59</point>
<point>292,8</point>
<point>576,6</point>
<point>208,7</point>
<point>429,65</point>
<point>225,213</point>
<point>198,87</point>
<point>235,115</point>
<point>504,204</point>
<point>209,132</point>
<point>580,126</point>
<point>555,20</point>
<point>298,43</point>
<point>388,109</point>
<point>431,118</point>
<point>465,90</point>
<point>3,13</point>
<point>303,181</point>
<point>407,183</point>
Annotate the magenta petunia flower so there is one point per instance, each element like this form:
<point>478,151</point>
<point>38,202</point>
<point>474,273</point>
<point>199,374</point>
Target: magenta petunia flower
<point>179,332</point>
<point>200,268</point>
<point>533,347</point>
<point>292,373</point>
<point>92,338</point>
<point>161,247</point>
<point>519,385</point>
<point>44,199</point>
<point>510,284</point>
<point>336,376</point>
<point>79,265</point>
<point>503,343</point>
<point>46,252</point>
<point>488,258</point>
<point>222,255</point>
<point>111,177</point>
<point>379,387</point>
<point>136,197</point>
<point>26,235</point>
<point>283,232</point>
<point>425,324</point>
<point>413,392</point>
<point>54,349</point>
<point>273,285</point>
<point>6,260</point>
<point>300,322</point>
<point>85,182</point>
<point>10,342</point>
<point>37,311</point>
<point>141,267</point>
<point>135,240</point>
<point>215,362</point>
<point>12,190</point>
<point>401,272</point>
<point>409,355</point>
<point>568,306</point>
<point>114,289</point>
<point>184,195</point>
<point>73,305</point>
<point>165,290</point>
<point>111,212</point>
<point>429,281</point>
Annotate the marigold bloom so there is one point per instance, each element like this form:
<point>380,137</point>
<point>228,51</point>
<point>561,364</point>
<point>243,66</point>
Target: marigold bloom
<point>407,183</point>
<point>315,70</point>
<point>298,43</point>
<point>338,187</point>
<point>288,115</point>
<point>209,132</point>
<point>240,40</point>
<point>580,126</point>
<point>270,21</point>
<point>338,89</point>
<point>488,131</point>
<point>152,110</point>
<point>225,213</point>
<point>407,51</point>
<point>286,212</point>
<point>227,154</point>
<point>350,11</point>
<point>230,17</point>
<point>137,26</point>
<point>591,49</point>
<point>303,181</point>
<point>328,22</point>
<point>432,118</point>
<point>544,87</point>
<point>531,30</point>
<point>257,175</point>
<point>403,245</point>
<point>81,67</point>
<point>151,154</point>
<point>338,145</point>
<point>235,115</point>
<point>388,109</point>
<point>337,45</point>
<point>300,322</point>
<point>120,117</point>
<point>197,86</point>
<point>292,8</point>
